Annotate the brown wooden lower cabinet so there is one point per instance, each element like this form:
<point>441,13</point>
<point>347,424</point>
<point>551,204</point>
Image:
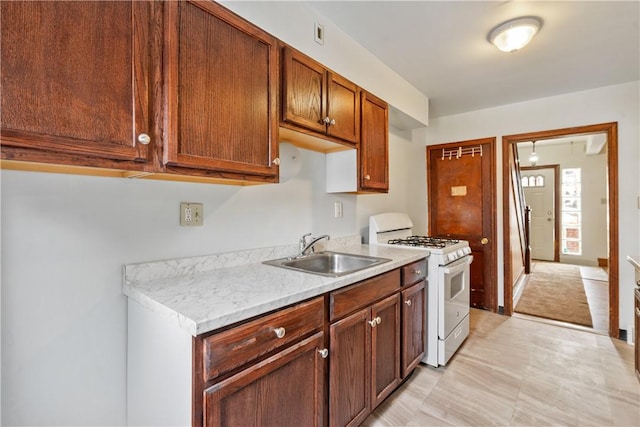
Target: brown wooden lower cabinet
<point>414,314</point>
<point>286,389</point>
<point>280,368</point>
<point>364,360</point>
<point>350,369</point>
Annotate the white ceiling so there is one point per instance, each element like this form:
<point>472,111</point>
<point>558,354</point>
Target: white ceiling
<point>441,47</point>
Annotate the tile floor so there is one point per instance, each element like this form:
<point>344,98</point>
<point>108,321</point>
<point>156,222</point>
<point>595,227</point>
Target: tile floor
<point>515,372</point>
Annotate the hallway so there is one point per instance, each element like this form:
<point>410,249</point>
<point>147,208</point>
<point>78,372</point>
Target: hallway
<point>596,287</point>
<point>511,371</point>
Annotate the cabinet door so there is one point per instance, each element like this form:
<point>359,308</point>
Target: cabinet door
<point>284,390</point>
<point>343,109</point>
<point>304,101</point>
<point>374,144</point>
<point>75,79</point>
<point>221,83</point>
<point>349,370</point>
<point>413,326</point>
<point>385,348</point>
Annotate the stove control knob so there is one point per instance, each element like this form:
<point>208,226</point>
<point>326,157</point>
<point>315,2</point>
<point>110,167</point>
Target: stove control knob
<point>460,252</point>
<point>467,250</point>
<point>452,256</point>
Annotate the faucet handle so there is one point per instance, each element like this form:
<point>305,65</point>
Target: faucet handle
<point>303,240</point>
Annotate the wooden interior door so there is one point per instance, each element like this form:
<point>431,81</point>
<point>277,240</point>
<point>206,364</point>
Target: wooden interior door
<point>461,197</point>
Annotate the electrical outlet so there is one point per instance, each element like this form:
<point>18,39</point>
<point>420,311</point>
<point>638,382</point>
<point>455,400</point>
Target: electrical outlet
<point>337,209</point>
<point>191,214</point>
<point>318,33</point>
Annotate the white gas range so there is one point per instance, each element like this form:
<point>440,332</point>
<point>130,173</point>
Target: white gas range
<point>448,276</point>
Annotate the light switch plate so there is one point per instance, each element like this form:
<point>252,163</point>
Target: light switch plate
<point>191,214</point>
<point>337,210</point>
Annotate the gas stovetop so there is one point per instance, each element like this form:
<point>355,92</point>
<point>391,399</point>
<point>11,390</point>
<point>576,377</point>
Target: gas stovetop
<point>424,241</point>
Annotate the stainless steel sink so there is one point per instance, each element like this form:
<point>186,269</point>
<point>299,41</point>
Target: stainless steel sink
<point>328,263</point>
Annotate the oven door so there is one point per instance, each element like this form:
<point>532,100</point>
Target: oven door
<point>454,294</point>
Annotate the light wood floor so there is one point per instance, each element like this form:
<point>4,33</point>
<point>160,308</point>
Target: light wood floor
<point>515,372</point>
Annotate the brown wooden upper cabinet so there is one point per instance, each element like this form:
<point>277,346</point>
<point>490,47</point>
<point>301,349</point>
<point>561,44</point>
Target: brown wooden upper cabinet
<point>221,79</point>
<point>76,82</point>
<point>374,144</point>
<point>318,100</point>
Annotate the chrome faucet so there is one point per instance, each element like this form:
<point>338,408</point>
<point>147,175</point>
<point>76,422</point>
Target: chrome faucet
<point>306,248</point>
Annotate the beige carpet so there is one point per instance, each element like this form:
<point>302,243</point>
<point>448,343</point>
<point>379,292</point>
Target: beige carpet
<point>555,291</point>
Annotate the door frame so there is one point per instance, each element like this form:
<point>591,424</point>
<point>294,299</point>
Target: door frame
<point>611,130</point>
<point>491,262</point>
<point>556,206</point>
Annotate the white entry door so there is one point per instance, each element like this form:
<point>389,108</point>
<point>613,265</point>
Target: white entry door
<point>539,194</point>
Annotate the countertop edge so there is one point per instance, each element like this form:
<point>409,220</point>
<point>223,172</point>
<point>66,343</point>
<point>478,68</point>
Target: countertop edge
<point>199,326</point>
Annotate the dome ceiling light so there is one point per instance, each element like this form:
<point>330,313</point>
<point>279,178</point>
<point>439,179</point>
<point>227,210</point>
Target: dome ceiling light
<point>515,34</point>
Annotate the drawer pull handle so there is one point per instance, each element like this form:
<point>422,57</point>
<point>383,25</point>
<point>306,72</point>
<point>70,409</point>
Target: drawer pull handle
<point>637,311</point>
<point>280,332</point>
<point>408,302</point>
<point>324,353</point>
<point>418,272</point>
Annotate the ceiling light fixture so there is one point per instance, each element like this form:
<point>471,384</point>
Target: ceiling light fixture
<point>515,34</point>
<point>533,159</point>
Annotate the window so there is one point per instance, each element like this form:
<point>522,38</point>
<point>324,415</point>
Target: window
<point>571,212</point>
<point>533,181</point>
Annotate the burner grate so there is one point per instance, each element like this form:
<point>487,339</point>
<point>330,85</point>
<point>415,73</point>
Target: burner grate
<point>424,241</point>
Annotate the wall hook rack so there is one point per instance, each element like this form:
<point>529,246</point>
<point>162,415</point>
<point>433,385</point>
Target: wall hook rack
<point>461,151</point>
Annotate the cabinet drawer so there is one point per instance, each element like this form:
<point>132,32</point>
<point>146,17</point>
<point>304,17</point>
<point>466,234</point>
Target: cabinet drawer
<point>243,344</point>
<point>414,272</point>
<point>347,300</point>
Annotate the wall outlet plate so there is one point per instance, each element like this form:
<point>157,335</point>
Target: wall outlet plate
<point>191,214</point>
<point>318,34</point>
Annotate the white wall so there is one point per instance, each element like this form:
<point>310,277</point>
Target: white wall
<point>619,103</point>
<point>594,206</point>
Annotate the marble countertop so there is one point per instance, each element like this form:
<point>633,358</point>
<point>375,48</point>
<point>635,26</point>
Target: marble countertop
<point>635,261</point>
<point>205,293</point>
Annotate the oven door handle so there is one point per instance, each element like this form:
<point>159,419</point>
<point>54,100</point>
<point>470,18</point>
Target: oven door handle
<point>459,266</point>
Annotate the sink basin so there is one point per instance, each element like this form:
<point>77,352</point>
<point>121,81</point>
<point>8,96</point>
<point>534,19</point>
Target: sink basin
<point>328,263</point>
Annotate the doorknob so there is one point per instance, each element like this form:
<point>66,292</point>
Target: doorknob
<point>484,241</point>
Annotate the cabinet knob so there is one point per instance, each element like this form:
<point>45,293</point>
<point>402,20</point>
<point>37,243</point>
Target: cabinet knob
<point>408,302</point>
<point>326,120</point>
<point>144,139</point>
<point>332,122</point>
<point>280,332</point>
<point>324,353</point>
<point>418,272</point>
<point>276,161</point>
<point>367,177</point>
<point>372,323</point>
<point>378,320</point>
<point>637,311</point>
